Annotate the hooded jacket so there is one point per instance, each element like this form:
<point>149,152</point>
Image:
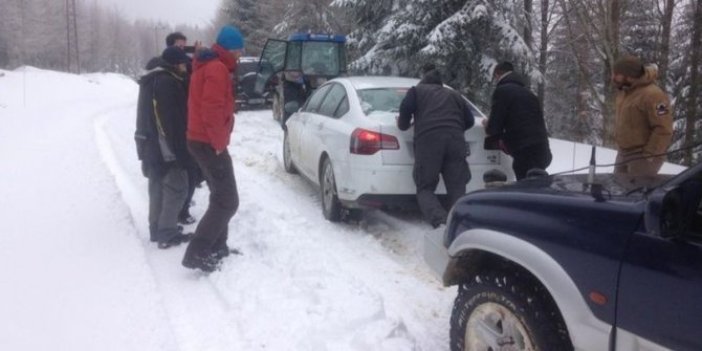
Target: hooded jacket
<point>434,107</point>
<point>162,116</point>
<point>644,119</point>
<point>516,115</point>
<point>211,99</point>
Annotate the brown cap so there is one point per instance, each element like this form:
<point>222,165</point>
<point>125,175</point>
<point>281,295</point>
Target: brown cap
<point>629,66</point>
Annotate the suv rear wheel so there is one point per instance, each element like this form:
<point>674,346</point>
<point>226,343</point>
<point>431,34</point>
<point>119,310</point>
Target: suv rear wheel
<point>501,310</point>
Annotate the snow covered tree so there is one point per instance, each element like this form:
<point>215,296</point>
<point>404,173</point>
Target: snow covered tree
<point>686,76</point>
<point>598,22</point>
<point>248,16</point>
<point>317,16</point>
<point>466,37</point>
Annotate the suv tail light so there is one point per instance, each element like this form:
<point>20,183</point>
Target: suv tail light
<point>366,142</point>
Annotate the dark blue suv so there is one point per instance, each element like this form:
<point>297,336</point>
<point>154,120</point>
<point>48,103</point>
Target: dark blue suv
<point>562,263</point>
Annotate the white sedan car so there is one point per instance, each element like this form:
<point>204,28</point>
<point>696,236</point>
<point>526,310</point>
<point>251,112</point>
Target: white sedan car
<point>345,140</point>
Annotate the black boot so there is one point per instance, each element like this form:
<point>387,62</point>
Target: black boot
<point>206,264</point>
<point>175,241</point>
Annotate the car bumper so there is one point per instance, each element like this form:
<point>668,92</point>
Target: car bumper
<point>393,186</point>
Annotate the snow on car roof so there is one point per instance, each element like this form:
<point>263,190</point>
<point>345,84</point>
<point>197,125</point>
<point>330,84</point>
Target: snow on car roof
<point>374,82</point>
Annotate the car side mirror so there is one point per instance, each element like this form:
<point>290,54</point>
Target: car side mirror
<point>665,214</point>
<point>292,107</point>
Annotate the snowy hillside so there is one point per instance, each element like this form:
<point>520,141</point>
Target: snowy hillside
<point>79,272</point>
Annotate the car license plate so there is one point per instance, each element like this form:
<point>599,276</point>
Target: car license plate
<point>256,101</point>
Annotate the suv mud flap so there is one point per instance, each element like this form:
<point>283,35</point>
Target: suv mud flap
<point>435,254</point>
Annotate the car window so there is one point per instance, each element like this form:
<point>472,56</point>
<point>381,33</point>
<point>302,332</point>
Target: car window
<point>293,57</point>
<point>315,100</point>
<point>343,107</point>
<point>332,100</point>
<point>272,61</point>
<point>474,110</point>
<point>381,99</point>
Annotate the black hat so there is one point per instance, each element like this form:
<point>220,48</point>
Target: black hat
<point>174,55</point>
<point>503,67</point>
<point>428,67</point>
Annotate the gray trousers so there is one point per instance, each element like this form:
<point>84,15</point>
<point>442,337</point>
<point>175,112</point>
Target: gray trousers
<point>167,194</point>
<point>439,153</point>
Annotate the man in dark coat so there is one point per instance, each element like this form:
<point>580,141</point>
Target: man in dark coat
<point>161,146</point>
<point>441,116</point>
<point>210,124</point>
<point>517,119</point>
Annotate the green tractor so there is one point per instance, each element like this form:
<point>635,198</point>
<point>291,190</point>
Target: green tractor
<point>297,66</point>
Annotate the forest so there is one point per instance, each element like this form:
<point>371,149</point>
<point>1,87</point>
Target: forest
<point>565,48</point>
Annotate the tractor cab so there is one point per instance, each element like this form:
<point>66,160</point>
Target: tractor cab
<point>299,65</point>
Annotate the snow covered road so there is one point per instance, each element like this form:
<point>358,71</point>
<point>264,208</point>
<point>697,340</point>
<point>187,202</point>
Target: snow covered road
<point>80,273</point>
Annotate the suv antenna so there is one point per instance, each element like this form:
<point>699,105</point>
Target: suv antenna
<point>595,189</point>
<point>593,165</point>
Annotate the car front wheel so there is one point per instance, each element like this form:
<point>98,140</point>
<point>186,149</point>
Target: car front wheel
<point>504,311</point>
<point>287,157</point>
<point>331,207</point>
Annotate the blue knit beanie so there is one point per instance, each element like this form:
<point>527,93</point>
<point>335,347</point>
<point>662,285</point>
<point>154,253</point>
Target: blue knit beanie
<point>230,38</point>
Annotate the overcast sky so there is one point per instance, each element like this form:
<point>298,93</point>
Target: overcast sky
<point>193,12</point>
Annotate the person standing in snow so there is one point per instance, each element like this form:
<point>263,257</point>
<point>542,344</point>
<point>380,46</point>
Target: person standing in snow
<point>517,119</point>
<point>644,119</point>
<point>210,124</point>
<point>194,175</point>
<point>441,116</point>
<point>160,137</point>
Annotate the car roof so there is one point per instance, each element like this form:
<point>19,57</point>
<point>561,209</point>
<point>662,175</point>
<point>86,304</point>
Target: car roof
<point>374,82</point>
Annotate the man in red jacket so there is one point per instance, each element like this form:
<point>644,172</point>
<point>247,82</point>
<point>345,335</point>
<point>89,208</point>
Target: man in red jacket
<point>210,124</point>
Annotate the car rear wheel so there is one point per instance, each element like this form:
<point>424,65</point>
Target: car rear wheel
<point>287,157</point>
<point>331,207</point>
<point>503,311</point>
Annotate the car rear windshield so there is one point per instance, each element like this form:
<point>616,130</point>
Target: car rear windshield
<point>381,99</point>
<point>389,100</point>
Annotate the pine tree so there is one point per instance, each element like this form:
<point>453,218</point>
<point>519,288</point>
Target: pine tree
<point>470,37</point>
<point>248,17</point>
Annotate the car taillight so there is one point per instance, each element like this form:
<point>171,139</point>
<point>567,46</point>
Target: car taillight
<point>366,142</point>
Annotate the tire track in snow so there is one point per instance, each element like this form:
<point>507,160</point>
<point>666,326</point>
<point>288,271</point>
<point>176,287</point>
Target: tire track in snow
<point>256,150</point>
<point>198,313</point>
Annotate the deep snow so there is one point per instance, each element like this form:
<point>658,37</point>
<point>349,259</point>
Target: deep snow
<point>79,272</point>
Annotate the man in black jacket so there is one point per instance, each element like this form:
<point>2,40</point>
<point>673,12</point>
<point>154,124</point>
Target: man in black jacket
<point>161,146</point>
<point>517,119</point>
<point>440,116</point>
